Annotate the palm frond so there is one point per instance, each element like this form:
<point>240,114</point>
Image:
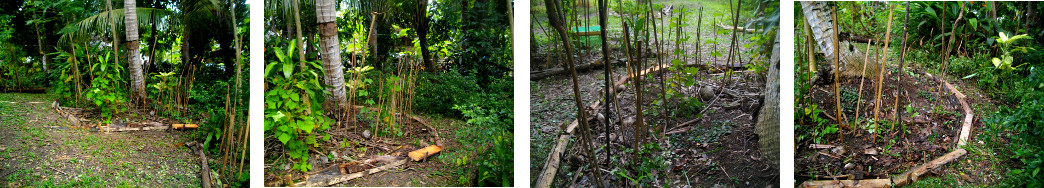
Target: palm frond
<point>99,23</point>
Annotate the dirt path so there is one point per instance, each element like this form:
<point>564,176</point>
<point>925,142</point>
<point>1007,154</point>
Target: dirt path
<point>34,155</point>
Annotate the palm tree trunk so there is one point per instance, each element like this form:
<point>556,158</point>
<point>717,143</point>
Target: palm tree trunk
<point>422,34</point>
<point>39,46</point>
<point>112,26</point>
<point>331,55</point>
<point>76,73</point>
<point>130,22</point>
<point>767,125</point>
<point>297,23</point>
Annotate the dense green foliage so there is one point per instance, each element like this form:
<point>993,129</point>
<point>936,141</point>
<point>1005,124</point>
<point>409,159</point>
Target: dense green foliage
<point>105,90</point>
<point>490,118</point>
<point>438,93</point>
<point>1026,121</point>
<point>293,110</point>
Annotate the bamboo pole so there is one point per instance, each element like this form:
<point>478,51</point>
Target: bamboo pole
<point>837,92</point>
<point>880,73</point>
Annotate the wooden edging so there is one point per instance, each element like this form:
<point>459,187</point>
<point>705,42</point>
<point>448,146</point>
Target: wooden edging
<point>914,174</point>
<point>555,157</point>
<point>351,176</point>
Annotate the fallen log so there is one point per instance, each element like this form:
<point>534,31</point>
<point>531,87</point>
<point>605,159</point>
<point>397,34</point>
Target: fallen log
<point>916,173</point>
<point>150,126</point>
<point>421,154</point>
<point>541,74</point>
<point>734,28</point>
<point>178,126</point>
<point>848,183</point>
<point>343,178</point>
<point>205,173</point>
<point>118,128</point>
<point>969,117</point>
<point>27,90</point>
<point>551,167</point>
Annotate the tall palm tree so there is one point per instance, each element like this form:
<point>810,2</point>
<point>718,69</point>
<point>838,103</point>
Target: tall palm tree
<point>130,23</point>
<point>326,15</point>
<point>767,125</point>
<point>421,24</point>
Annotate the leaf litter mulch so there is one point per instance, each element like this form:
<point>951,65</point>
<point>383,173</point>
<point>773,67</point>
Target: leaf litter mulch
<point>929,123</point>
<point>39,147</point>
<point>717,147</point>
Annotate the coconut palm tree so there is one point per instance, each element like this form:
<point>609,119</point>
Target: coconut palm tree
<point>130,22</point>
<point>326,14</point>
<point>198,15</point>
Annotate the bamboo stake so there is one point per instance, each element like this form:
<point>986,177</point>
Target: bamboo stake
<point>837,92</point>
<point>949,43</point>
<point>902,62</point>
<point>880,73</point>
<point>859,99</point>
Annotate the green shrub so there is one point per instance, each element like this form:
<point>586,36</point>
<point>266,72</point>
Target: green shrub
<point>490,117</point>
<point>105,89</point>
<point>293,106</point>
<point>1027,122</point>
<point>437,93</point>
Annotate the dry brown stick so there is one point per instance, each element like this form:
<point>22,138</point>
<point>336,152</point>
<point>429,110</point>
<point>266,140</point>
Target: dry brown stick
<point>837,91</point>
<point>902,63</point>
<point>880,74</point>
<point>949,43</point>
<point>859,99</point>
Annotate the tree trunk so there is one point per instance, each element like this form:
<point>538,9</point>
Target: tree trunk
<point>297,24</point>
<point>767,125</point>
<point>603,23</point>
<point>817,16</point>
<point>76,73</point>
<point>112,26</point>
<point>39,46</point>
<point>559,25</point>
<point>130,22</point>
<point>949,43</point>
<point>421,24</point>
<point>326,12</point>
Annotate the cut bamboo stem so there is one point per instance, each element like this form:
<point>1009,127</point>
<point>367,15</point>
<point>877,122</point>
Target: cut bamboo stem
<point>880,74</point>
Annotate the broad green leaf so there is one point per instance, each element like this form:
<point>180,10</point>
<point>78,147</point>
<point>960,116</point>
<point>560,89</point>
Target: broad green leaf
<point>278,116</point>
<point>974,23</point>
<point>287,69</point>
<point>931,12</point>
<point>310,139</point>
<point>280,55</point>
<point>306,126</point>
<point>1017,37</point>
<point>268,69</point>
<point>284,137</point>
